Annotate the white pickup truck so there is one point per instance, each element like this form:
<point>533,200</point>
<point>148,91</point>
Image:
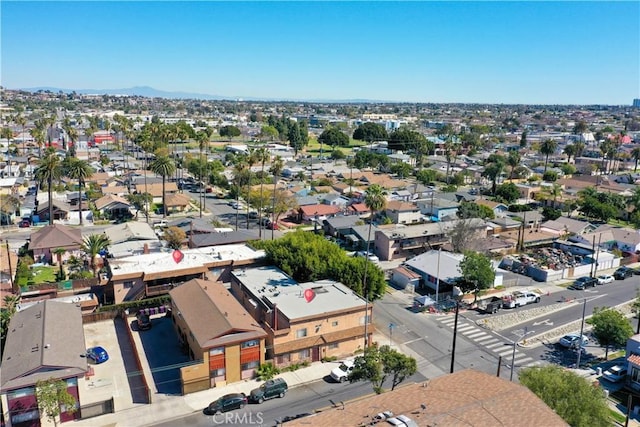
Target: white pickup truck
<point>518,299</point>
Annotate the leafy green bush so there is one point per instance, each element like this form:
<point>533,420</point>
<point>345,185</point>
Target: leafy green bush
<point>267,371</point>
<point>145,303</point>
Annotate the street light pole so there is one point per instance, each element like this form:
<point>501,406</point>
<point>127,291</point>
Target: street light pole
<point>584,308</point>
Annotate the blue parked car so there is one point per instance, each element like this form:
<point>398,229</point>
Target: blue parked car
<point>97,355</point>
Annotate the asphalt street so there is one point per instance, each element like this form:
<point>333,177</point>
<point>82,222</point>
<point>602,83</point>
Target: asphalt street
<point>301,399</point>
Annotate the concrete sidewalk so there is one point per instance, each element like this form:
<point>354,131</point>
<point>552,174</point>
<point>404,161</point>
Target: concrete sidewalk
<point>165,407</point>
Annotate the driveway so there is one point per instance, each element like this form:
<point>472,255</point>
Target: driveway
<point>164,355</point>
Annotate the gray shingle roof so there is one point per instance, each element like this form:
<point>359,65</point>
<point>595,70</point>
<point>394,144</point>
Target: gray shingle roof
<point>44,340</point>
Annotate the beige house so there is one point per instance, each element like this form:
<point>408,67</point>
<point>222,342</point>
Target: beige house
<point>219,332</point>
<point>402,212</point>
<point>303,321</point>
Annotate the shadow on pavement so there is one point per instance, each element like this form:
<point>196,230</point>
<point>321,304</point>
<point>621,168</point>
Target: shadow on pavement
<point>134,375</point>
<point>164,355</point>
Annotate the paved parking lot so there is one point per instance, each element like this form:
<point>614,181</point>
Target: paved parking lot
<point>160,350</point>
<point>110,378</point>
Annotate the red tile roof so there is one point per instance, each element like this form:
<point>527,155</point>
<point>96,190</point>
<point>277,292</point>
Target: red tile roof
<point>312,210</point>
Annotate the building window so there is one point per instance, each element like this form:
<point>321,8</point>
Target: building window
<point>362,319</point>
<point>220,372</point>
<point>283,358</point>
<point>301,333</point>
<point>250,365</point>
<point>249,344</point>
<point>304,354</point>
<point>216,351</point>
<point>333,345</point>
<point>635,374</point>
<point>334,323</point>
<point>128,284</point>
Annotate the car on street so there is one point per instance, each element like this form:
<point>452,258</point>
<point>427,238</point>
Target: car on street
<point>237,205</point>
<point>226,403</point>
<point>97,355</point>
<point>276,387</point>
<point>25,223</point>
<point>372,257</point>
<point>604,279</point>
<point>584,282</point>
<point>615,373</point>
<point>341,373</point>
<point>622,273</point>
<point>573,340</point>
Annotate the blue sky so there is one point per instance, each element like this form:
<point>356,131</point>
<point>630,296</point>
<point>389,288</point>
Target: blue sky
<point>488,52</point>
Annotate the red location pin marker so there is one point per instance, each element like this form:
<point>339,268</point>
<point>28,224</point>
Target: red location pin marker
<point>177,256</point>
<point>309,295</point>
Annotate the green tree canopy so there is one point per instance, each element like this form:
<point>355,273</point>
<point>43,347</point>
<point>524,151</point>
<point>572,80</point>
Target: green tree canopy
<point>51,394</point>
<point>508,192</point>
<point>334,137</point>
<point>308,257</point>
<point>174,236</point>
<point>477,272</point>
<point>378,364</point>
<point>572,397</point>
<point>230,131</point>
<point>370,131</point>
<point>610,327</point>
<point>474,210</point>
<point>92,245</point>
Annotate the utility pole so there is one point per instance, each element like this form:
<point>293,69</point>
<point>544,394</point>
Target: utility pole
<point>593,251</point>
<point>455,333</point>
<point>584,309</point>
<point>14,286</point>
<point>438,275</point>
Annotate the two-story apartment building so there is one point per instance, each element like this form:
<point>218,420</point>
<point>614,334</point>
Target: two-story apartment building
<point>403,212</point>
<point>219,332</point>
<point>303,321</point>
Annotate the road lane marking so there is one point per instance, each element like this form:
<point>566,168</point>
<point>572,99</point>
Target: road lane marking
<point>480,339</point>
<point>475,334</point>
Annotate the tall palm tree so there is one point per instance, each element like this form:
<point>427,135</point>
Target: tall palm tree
<point>48,170</point>
<point>164,167</point>
<point>80,170</point>
<point>252,159</point>
<point>570,150</point>
<point>37,133</point>
<point>493,169</point>
<point>635,155</point>
<point>547,148</point>
<point>375,201</point>
<point>276,169</point>
<point>92,245</point>
<point>239,175</point>
<point>7,134</point>
<point>58,252</point>
<point>263,155</point>
<point>202,139</point>
<point>513,160</point>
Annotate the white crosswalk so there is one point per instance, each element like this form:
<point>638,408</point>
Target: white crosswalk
<point>498,346</point>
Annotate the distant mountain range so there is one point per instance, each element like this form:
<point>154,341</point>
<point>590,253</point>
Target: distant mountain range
<point>150,92</point>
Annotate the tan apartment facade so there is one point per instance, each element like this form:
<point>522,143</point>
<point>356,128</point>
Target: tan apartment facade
<point>304,322</point>
<point>218,332</point>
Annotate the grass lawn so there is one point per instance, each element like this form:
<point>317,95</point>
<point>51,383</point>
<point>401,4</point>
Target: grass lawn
<point>45,274</point>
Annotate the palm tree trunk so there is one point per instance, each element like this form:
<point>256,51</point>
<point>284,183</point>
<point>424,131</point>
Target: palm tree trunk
<point>273,206</point>
<point>260,206</point>
<point>546,160</point>
<point>237,203</point>
<point>80,198</point>
<point>50,183</point>
<point>164,200</point>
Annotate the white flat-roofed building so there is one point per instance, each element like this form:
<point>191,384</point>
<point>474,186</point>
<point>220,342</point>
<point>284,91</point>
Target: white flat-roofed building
<point>305,321</point>
<point>157,273</point>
